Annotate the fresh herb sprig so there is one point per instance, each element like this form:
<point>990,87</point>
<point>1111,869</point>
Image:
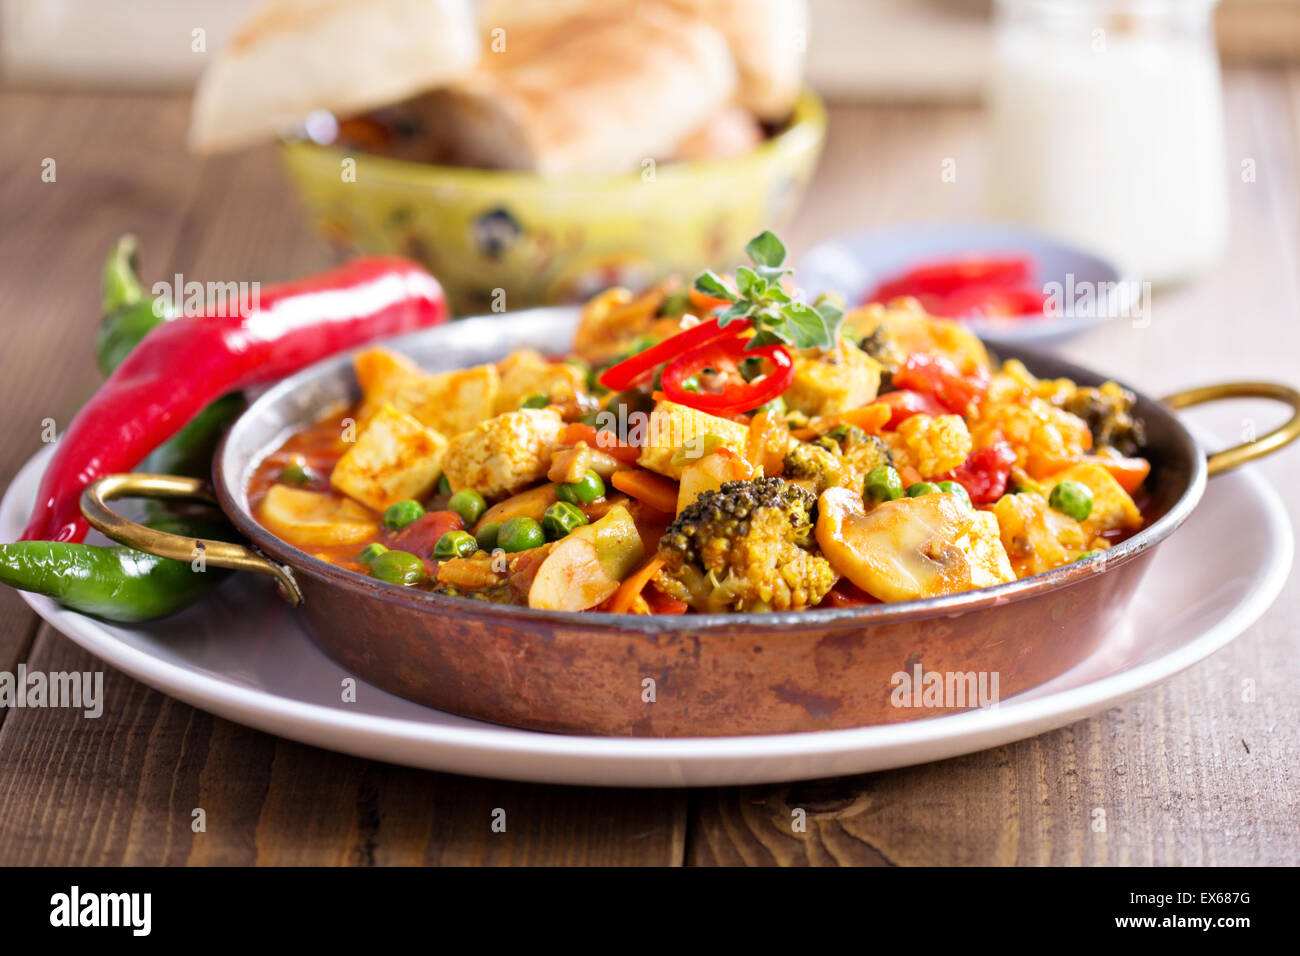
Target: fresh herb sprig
<point>760,297</point>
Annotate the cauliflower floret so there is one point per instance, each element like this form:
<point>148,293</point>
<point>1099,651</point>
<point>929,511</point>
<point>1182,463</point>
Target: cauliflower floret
<point>504,454</point>
<point>748,546</point>
<point>895,331</point>
<point>830,381</point>
<point>525,372</point>
<point>394,457</point>
<point>1042,435</point>
<point>934,445</point>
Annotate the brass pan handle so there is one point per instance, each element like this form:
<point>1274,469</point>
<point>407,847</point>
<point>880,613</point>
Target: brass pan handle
<point>1230,458</point>
<point>221,554</point>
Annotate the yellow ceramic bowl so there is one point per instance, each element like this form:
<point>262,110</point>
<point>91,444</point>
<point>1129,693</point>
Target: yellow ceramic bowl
<point>509,240</point>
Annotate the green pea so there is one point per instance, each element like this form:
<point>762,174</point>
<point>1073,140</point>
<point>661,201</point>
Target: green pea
<point>1089,554</point>
<point>536,400</point>
<point>455,544</point>
<point>922,488</point>
<point>371,551</point>
<point>956,488</point>
<point>398,567</point>
<point>1072,498</point>
<point>296,473</point>
<point>469,504</point>
<point>487,535</point>
<point>444,486</point>
<point>590,488</point>
<point>884,484</point>
<point>561,518</point>
<point>401,513</point>
<point>520,534</point>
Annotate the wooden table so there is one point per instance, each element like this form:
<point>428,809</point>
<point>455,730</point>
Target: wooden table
<point>1187,773</point>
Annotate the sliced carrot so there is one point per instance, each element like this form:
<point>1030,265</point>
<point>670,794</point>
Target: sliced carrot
<point>631,588</point>
<point>769,438</point>
<point>870,418</point>
<point>652,490</point>
<point>1129,472</point>
<point>606,441</point>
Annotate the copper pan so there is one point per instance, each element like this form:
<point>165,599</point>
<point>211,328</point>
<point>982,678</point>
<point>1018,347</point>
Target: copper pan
<point>693,675</point>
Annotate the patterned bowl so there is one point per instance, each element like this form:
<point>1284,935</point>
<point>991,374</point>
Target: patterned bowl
<point>499,240</point>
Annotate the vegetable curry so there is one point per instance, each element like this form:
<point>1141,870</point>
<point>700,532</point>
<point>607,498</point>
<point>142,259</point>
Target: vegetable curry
<point>717,448</point>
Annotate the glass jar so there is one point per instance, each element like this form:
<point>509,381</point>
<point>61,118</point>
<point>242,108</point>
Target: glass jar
<point>1106,122</point>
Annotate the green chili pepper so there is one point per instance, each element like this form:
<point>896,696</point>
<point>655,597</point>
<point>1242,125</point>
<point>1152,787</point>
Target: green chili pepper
<point>129,314</point>
<point>117,583</point>
<point>114,583</point>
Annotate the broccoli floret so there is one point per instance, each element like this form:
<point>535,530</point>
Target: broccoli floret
<point>839,459</point>
<point>1108,413</point>
<point>748,546</point>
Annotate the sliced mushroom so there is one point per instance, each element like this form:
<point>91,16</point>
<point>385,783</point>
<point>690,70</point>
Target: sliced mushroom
<point>904,549</point>
<point>587,566</point>
<point>310,519</point>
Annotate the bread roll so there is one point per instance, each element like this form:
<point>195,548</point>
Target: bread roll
<point>346,56</point>
<point>597,92</point>
<point>767,38</point>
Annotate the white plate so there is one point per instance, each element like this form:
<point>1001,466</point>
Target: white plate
<point>851,265</point>
<point>240,654</point>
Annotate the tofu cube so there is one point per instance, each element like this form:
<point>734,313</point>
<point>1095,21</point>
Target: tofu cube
<point>832,381</point>
<point>525,372</point>
<point>504,454</point>
<point>1111,505</point>
<point>452,402</point>
<point>394,457</point>
<point>675,435</point>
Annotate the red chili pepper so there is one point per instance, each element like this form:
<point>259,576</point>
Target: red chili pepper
<point>182,365</point>
<point>905,403</point>
<point>984,473</point>
<point>737,395</point>
<point>637,368</point>
<point>938,376</point>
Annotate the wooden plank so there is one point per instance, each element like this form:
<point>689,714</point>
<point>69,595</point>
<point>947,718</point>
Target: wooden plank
<point>123,790</point>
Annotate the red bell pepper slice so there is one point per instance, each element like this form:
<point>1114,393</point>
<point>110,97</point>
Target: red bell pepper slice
<point>936,375</point>
<point>638,368</point>
<point>984,473</point>
<point>737,395</point>
<point>905,403</point>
